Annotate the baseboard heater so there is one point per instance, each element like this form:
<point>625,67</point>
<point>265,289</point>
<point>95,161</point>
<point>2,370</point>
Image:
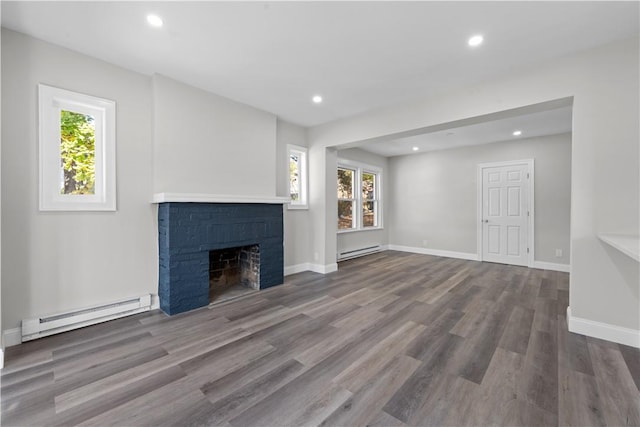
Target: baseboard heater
<point>62,322</point>
<point>342,256</point>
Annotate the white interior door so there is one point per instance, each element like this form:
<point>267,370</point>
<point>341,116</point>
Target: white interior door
<point>506,213</point>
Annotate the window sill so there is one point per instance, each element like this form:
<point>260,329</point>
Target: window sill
<point>354,230</point>
<point>297,207</point>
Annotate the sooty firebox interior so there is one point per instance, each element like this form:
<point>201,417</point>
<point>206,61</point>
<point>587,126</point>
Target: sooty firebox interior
<point>233,272</point>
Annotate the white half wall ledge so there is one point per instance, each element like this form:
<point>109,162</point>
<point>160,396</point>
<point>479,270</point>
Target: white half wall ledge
<point>603,331</point>
<point>625,243</point>
<point>1,358</point>
<point>216,198</point>
<point>434,252</point>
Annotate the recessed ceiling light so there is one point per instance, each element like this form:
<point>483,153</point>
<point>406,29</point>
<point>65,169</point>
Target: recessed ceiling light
<point>475,40</point>
<point>517,132</point>
<point>317,99</point>
<point>415,148</point>
<point>154,20</point>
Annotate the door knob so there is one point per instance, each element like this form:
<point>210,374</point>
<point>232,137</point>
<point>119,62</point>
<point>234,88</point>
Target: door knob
<point>485,220</point>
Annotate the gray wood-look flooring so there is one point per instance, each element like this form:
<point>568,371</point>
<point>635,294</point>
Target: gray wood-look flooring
<point>392,339</point>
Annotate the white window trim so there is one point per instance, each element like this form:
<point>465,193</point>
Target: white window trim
<point>359,169</point>
<point>304,177</point>
<point>51,101</point>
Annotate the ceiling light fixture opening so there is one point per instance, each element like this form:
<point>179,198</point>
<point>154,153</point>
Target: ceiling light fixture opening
<point>317,99</point>
<point>475,40</point>
<point>517,132</point>
<point>415,148</point>
<point>154,21</point>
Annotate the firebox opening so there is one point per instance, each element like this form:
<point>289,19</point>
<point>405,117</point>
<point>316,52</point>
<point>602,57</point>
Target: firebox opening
<point>233,272</point>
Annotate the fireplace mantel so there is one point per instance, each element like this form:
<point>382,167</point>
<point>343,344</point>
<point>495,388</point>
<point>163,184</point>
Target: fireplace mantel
<point>216,198</point>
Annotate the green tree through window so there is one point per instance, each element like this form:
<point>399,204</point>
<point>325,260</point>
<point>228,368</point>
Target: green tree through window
<point>294,176</point>
<point>77,152</point>
<point>346,199</point>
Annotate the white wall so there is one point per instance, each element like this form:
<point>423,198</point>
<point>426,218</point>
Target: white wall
<point>433,195</point>
<point>204,143</point>
<point>353,240</point>
<point>296,221</point>
<point>56,261</point>
<point>2,344</point>
<point>323,163</point>
<point>605,175</point>
<point>69,260</point>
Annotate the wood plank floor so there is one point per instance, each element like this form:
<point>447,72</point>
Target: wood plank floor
<point>392,339</point>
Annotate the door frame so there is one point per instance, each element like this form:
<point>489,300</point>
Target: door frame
<point>531,218</point>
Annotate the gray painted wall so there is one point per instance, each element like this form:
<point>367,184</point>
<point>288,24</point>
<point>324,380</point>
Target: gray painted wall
<point>114,255</point>
<point>205,143</point>
<point>55,261</point>
<point>605,175</point>
<point>433,195</point>
<point>70,260</point>
<point>296,221</point>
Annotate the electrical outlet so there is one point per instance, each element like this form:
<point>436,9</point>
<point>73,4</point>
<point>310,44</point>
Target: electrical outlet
<point>315,256</point>
<point>558,253</point>
<point>425,243</point>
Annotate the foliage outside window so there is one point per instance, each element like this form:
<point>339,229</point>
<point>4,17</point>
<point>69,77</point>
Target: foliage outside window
<point>297,158</point>
<point>346,199</point>
<point>365,200</point>
<point>369,200</point>
<point>77,151</point>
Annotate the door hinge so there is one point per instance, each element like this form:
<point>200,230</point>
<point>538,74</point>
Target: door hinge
<point>527,250</point>
<point>527,175</point>
<point>528,213</point>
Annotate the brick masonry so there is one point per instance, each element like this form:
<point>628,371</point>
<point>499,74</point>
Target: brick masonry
<point>188,231</point>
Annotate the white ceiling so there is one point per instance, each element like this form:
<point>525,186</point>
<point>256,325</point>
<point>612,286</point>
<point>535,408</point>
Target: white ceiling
<point>358,55</point>
<point>542,123</point>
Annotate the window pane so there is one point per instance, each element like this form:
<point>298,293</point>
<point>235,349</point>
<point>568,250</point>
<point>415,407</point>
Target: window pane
<point>77,153</point>
<point>368,186</point>
<point>369,217</point>
<point>345,183</point>
<point>345,214</point>
<point>294,176</point>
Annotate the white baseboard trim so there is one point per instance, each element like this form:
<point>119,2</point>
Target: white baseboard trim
<point>604,331</point>
<point>155,302</point>
<point>324,269</point>
<point>11,337</point>
<point>542,265</point>
<point>307,266</point>
<point>298,268</point>
<point>434,252</point>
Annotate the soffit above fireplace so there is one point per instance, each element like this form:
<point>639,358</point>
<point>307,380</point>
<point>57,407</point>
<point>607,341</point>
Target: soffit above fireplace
<point>216,198</point>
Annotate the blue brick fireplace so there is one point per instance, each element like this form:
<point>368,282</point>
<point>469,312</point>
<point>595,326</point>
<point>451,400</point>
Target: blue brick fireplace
<point>187,232</point>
